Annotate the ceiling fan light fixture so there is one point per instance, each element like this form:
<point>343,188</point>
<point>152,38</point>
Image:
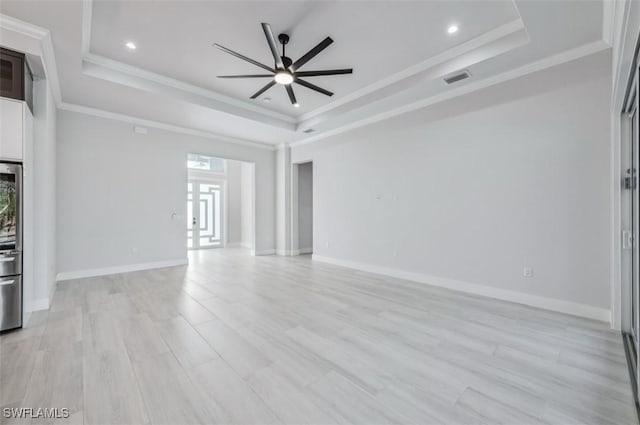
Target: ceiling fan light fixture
<point>283,77</point>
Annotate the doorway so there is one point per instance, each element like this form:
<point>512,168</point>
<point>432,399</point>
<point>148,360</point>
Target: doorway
<point>302,208</point>
<point>220,210</point>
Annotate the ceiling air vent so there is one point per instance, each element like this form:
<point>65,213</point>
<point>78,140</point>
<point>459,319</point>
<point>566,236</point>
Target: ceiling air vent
<point>458,76</point>
<point>308,130</point>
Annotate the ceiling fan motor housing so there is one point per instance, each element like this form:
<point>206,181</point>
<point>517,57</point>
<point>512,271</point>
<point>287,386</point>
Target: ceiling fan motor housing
<point>287,62</point>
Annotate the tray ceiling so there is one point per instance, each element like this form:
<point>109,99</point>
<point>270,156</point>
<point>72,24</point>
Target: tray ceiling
<point>377,39</point>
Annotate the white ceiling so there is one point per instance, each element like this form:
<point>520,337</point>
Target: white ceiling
<point>399,51</point>
<point>377,40</point>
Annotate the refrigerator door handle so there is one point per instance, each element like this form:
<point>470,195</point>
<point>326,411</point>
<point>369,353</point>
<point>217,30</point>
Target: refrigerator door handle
<point>6,259</point>
<point>7,282</point>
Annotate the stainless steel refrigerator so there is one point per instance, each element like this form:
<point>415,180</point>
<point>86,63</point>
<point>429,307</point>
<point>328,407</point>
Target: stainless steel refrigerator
<point>10,246</point>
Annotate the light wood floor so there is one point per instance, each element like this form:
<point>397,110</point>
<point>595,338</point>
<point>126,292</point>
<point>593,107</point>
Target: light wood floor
<point>260,340</point>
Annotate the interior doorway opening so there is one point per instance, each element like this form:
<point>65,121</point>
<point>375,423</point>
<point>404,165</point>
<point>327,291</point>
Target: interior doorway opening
<point>302,209</point>
<point>220,203</point>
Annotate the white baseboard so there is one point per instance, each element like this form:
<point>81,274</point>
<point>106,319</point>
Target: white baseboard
<point>26,315</point>
<point>561,306</point>
<point>263,252</point>
<point>294,251</point>
<point>36,305</point>
<point>238,245</point>
<point>79,274</point>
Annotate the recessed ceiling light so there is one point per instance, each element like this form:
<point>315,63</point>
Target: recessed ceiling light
<point>296,105</point>
<point>267,99</point>
<point>452,29</point>
<point>130,45</point>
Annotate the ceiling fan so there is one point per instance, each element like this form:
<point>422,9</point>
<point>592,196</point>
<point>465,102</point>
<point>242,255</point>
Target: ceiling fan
<point>285,71</point>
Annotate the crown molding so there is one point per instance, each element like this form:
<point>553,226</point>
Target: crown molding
<point>548,62</point>
<point>87,14</point>
<point>609,10</point>
<point>43,37</point>
<point>72,107</point>
<point>119,72</point>
<point>620,71</point>
<point>16,25</point>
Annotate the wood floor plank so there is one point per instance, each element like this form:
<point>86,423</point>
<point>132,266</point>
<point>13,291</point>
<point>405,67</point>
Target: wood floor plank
<point>169,394</point>
<point>223,387</point>
<point>243,357</point>
<point>111,394</point>
<point>283,394</point>
<point>351,404</point>
<point>57,379</point>
<point>141,337</point>
<point>185,342</point>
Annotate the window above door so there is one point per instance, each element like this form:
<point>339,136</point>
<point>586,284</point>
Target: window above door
<point>206,163</point>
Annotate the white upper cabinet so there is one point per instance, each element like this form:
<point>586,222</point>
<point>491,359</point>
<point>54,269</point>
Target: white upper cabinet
<point>11,129</point>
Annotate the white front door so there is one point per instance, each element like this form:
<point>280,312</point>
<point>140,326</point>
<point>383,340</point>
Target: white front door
<point>204,214</point>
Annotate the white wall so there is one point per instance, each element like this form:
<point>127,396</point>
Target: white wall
<point>283,200</point>
<point>246,203</point>
<point>234,207</point>
<point>44,178</point>
<point>305,207</point>
<point>474,189</point>
<point>117,190</point>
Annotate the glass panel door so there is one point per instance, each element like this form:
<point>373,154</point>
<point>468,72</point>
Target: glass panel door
<point>10,236</point>
<point>190,216</point>
<point>635,224</point>
<point>204,214</point>
<point>634,205</point>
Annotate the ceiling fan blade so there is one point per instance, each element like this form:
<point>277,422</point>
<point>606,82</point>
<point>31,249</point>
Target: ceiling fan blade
<point>324,72</point>
<point>292,96</point>
<point>246,76</point>
<point>311,53</point>
<point>313,87</point>
<point>264,89</point>
<point>272,45</point>
<point>238,55</point>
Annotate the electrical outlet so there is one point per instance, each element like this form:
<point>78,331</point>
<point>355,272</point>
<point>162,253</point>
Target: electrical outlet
<point>527,271</point>
<point>326,244</point>
<point>395,252</point>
